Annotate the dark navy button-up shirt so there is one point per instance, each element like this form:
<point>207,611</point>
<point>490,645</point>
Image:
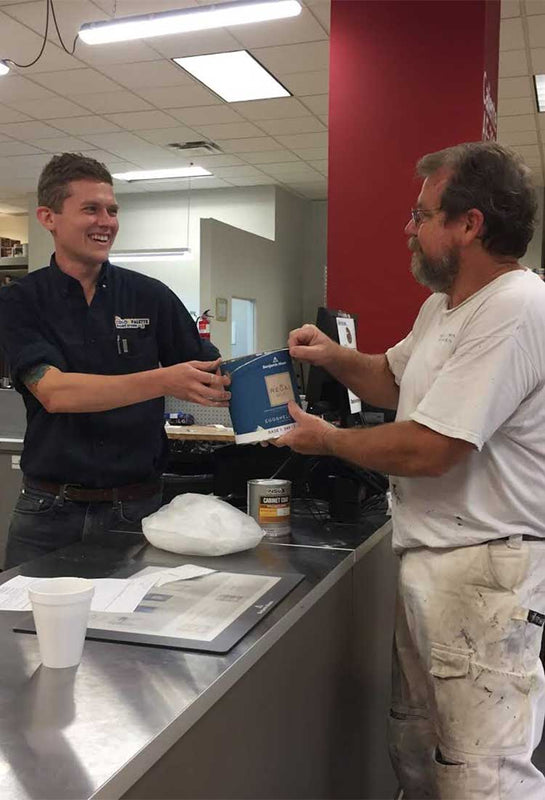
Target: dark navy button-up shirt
<point>134,323</point>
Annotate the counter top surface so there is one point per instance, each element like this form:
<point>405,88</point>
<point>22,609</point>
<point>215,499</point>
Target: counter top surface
<point>93,730</point>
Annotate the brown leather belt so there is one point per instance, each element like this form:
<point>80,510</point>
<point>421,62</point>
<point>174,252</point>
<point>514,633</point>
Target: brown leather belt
<point>133,491</point>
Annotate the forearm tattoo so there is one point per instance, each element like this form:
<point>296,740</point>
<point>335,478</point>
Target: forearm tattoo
<point>35,374</point>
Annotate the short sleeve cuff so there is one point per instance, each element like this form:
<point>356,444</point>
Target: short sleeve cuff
<point>448,430</point>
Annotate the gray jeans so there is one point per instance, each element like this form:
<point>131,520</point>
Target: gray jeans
<point>42,522</point>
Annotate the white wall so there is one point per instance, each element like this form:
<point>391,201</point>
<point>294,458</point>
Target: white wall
<point>534,255</point>
<point>14,227</point>
<point>241,264</point>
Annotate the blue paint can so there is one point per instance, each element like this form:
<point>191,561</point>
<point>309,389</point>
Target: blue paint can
<point>261,386</point>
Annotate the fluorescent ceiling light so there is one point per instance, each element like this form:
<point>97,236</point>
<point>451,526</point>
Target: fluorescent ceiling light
<point>539,83</point>
<point>133,256</point>
<point>162,174</point>
<point>234,76</point>
<point>190,19</point>
<point>4,69</point>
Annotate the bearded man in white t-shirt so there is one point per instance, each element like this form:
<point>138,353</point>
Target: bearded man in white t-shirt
<point>466,456</point>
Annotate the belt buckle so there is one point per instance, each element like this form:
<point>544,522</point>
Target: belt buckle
<point>66,488</point>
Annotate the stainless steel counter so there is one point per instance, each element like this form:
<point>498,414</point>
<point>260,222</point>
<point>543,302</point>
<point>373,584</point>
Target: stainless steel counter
<point>95,730</point>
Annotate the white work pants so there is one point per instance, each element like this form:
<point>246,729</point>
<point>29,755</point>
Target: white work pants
<point>468,697</point>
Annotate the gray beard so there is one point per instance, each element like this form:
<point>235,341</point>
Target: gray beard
<point>438,274</point>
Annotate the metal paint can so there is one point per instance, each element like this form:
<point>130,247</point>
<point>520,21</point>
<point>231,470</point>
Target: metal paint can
<point>261,386</point>
<point>269,504</point>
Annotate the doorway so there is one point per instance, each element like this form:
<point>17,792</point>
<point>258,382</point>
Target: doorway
<point>242,327</point>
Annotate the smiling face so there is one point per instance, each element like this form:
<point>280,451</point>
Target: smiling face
<point>85,229</point>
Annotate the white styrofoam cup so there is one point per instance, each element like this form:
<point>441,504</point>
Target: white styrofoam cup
<point>61,610</point>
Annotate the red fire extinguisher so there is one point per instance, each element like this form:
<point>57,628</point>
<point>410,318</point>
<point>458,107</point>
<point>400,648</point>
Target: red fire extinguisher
<point>203,324</point>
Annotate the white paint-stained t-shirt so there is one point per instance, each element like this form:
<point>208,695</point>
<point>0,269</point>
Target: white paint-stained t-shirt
<point>476,372</point>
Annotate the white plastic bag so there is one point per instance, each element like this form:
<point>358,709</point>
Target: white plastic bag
<point>201,525</point>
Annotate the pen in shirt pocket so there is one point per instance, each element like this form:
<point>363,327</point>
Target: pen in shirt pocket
<point>122,346</point>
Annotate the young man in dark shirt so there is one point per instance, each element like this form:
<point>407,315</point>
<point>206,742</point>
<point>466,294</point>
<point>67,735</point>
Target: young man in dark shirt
<point>93,350</point>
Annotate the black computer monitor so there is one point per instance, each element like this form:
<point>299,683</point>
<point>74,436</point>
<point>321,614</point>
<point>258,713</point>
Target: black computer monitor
<point>324,394</point>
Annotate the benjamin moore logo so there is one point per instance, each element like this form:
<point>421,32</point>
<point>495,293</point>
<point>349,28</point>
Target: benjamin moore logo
<point>131,322</point>
<point>275,363</point>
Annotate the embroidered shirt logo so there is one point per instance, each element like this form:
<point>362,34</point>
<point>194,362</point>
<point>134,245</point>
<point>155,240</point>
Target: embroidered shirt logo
<point>447,338</point>
<point>131,322</point>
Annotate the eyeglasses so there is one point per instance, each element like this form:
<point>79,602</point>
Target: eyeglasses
<point>418,215</point>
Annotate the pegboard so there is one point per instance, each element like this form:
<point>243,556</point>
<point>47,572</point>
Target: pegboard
<point>204,415</point>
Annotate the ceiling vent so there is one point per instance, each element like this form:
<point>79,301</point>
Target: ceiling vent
<point>196,148</point>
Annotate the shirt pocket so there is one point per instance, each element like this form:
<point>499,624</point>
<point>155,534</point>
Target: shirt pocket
<point>131,351</point>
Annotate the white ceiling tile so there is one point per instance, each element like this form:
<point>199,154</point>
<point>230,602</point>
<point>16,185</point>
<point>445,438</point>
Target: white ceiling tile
<point>118,53</point>
<point>533,7</point>
<point>318,103</point>
<point>196,43</point>
<point>511,34</point>
<point>149,74</point>
<point>536,31</point>
<point>70,14</point>
<point>313,191</point>
<point>112,102</point>
<point>311,153</point>
<point>541,121</point>
<point>308,124</point>
<point>294,30</point>
<point>528,151</point>
<point>278,108</point>
<point>10,115</point>
<point>320,166</point>
<point>233,130</point>
<point>269,157</point>
<point>76,81</point>
<point>238,172</point>
<point>521,122</point>
<point>206,115</point>
<point>52,59</point>
<point>304,140</point>
<point>17,149</point>
<point>50,108</point>
<point>309,57</point>
<point>84,125</point>
<point>516,105</point>
<point>514,138</point>
<point>321,9</point>
<point>14,87</point>
<point>262,181</point>
<point>537,56</point>
<point>141,120</point>
<point>513,63</point>
<point>28,165</point>
<point>515,87</point>
<point>122,144</point>
<point>307,83</point>
<point>61,144</point>
<point>126,8</point>
<point>179,96</point>
<point>325,119</point>
<point>28,130</point>
<point>510,8</point>
<point>243,145</point>
<point>213,162</point>
<point>292,172</point>
<point>164,136</point>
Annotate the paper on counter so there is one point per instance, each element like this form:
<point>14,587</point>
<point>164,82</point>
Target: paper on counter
<point>113,595</point>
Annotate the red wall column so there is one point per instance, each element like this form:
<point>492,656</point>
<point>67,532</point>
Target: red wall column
<point>406,79</point>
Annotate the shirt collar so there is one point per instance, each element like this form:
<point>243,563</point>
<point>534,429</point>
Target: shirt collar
<point>68,284</point>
